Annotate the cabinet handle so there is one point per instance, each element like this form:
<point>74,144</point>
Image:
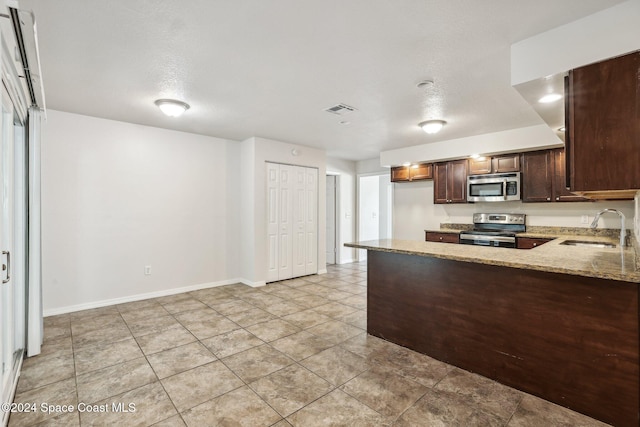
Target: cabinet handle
<point>557,199</point>
<point>535,244</point>
<point>7,266</point>
<point>441,239</point>
<point>548,198</point>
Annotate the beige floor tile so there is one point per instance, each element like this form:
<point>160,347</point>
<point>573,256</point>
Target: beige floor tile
<point>336,365</point>
<point>151,325</point>
<point>316,289</point>
<point>66,419</point>
<point>231,343</point>
<point>180,359</point>
<point>337,409</point>
<point>180,306</point>
<point>291,388</point>
<point>57,346</point>
<point>289,293</point>
<point>174,336</point>
<point>251,317</point>
<point>282,423</point>
<point>334,309</point>
<point>262,300</point>
<point>151,406</point>
<point>206,323</point>
<point>311,301</point>
<point>301,345</point>
<point>337,295</point>
<point>101,336</point>
<point>58,320</point>
<point>537,412</point>
<point>239,408</point>
<point>100,356</point>
<point>357,319</point>
<point>55,332</point>
<point>100,311</point>
<point>136,305</point>
<point>229,307</point>
<point>107,382</point>
<point>284,308</point>
<point>175,421</point>
<point>315,278</point>
<point>306,318</point>
<point>151,311</point>
<point>257,362</point>
<point>387,392</point>
<point>368,346</point>
<point>442,408</point>
<point>173,298</point>
<point>60,393</point>
<point>200,384</point>
<point>335,331</point>
<point>418,367</point>
<point>83,325</point>
<point>357,301</point>
<point>488,395</point>
<point>42,370</point>
<point>273,329</point>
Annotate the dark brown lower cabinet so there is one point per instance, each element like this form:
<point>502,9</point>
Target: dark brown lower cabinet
<point>434,236</point>
<point>568,339</point>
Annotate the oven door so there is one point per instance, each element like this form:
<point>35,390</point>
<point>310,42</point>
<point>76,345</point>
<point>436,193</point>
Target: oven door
<point>485,240</point>
<point>482,188</point>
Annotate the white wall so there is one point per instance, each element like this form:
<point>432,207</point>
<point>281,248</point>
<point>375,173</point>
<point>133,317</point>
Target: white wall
<point>255,152</point>
<point>414,211</point>
<point>346,169</point>
<point>118,196</point>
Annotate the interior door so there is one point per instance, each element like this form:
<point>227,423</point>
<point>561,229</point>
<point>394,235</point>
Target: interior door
<point>8,348</point>
<point>331,219</point>
<point>285,222</point>
<point>311,220</point>
<point>273,179</point>
<point>299,221</point>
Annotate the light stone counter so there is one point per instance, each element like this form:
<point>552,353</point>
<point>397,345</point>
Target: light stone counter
<point>603,263</point>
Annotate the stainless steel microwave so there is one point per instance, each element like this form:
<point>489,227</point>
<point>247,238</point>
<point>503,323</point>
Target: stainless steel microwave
<point>498,187</point>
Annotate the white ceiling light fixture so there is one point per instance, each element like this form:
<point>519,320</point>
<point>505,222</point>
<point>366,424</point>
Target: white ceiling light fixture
<point>172,107</point>
<point>551,97</point>
<point>432,126</point>
<point>405,164</point>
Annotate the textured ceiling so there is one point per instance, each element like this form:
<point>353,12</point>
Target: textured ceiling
<point>269,68</point>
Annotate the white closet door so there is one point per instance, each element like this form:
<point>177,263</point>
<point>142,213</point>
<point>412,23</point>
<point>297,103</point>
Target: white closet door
<point>311,220</point>
<point>299,221</point>
<point>285,219</point>
<point>273,188</point>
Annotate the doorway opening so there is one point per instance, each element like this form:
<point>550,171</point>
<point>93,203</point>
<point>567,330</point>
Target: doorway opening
<point>333,225</point>
<point>375,201</point>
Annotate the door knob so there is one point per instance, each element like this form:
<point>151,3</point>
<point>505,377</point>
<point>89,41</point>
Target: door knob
<point>7,267</point>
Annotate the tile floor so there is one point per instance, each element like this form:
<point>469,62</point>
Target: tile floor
<point>293,353</point>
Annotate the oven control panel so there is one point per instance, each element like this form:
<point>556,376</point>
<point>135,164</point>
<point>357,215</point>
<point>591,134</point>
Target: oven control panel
<point>492,218</point>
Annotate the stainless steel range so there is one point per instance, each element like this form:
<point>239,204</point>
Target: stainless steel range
<point>494,230</point>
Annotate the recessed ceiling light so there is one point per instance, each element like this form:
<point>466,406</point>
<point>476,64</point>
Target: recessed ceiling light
<point>344,122</point>
<point>414,166</point>
<point>551,97</point>
<point>406,164</point>
<point>425,84</point>
<point>475,156</point>
<point>432,126</point>
<point>172,107</point>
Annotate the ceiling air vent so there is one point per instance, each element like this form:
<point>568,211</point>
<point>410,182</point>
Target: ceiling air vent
<point>340,109</point>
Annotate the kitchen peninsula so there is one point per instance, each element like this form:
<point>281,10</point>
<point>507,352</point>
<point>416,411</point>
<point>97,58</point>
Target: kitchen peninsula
<point>556,321</point>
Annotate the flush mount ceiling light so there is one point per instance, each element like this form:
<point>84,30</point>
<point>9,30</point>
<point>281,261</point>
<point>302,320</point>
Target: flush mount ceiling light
<point>551,97</point>
<point>432,126</point>
<point>172,107</point>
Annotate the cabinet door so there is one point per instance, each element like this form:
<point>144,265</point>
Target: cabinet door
<point>605,125</point>
<point>440,183</point>
<point>480,166</point>
<point>432,236</point>
<point>530,242</point>
<point>510,163</point>
<point>273,225</point>
<point>560,192</point>
<point>421,171</point>
<point>537,176</point>
<point>457,181</point>
<point>400,174</point>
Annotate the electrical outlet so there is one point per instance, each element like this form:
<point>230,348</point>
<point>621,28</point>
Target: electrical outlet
<point>147,270</point>
<point>584,219</point>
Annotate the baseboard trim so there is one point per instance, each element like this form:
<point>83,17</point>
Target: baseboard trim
<point>347,261</point>
<point>138,297</point>
<point>253,284</point>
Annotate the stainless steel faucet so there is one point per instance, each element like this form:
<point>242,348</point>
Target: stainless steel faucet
<point>623,230</point>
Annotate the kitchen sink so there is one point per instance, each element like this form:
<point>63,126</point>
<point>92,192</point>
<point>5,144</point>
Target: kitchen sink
<point>590,244</point>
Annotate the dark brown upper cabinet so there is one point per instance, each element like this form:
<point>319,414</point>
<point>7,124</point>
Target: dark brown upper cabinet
<point>602,116</point>
<point>543,178</point>
<point>416,172</point>
<point>450,182</point>
<point>500,164</point>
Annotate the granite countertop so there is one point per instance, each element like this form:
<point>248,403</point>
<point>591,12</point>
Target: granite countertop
<point>603,263</point>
